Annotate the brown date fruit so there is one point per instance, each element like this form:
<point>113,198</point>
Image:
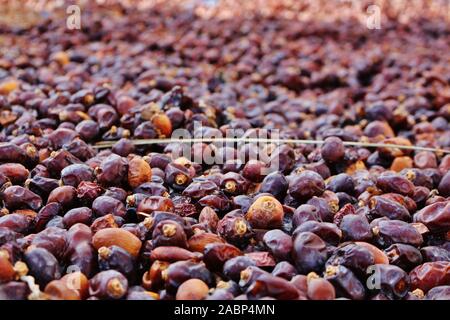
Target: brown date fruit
<point>53,239</point>
<point>173,254</point>
<point>153,278</point>
<point>119,237</point>
<point>433,253</point>
<point>355,227</point>
<point>439,293</point>
<point>444,185</point>
<point>199,188</point>
<point>354,257</point>
<point>303,213</point>
<point>233,267</point>
<point>276,184</point>
<point>177,176</point>
<point>104,222</point>
<point>41,185</point>
<point>109,284</point>
<point>262,259</point>
<point>192,289</point>
<point>16,222</point>
<point>7,272</point>
<point>200,240</point>
<point>284,270</point>
<point>233,183</point>
<point>139,172</point>
<point>319,288</point>
<point>209,217</point>
<point>379,256</point>
<point>266,212</point>
<point>87,192</point>
<point>155,203</point>
<point>216,254</point>
<point>14,290</point>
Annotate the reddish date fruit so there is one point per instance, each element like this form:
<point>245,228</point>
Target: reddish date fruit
<point>16,222</point>
<point>216,254</point>
<point>173,254</point>
<point>319,288</point>
<point>15,172</point>
<point>66,196</point>
<point>87,192</point>
<point>430,275</point>
<point>436,216</point>
<point>139,172</point>
<point>267,285</point>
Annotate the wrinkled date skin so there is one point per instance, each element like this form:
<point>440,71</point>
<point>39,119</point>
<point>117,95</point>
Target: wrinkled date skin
<point>430,274</point>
